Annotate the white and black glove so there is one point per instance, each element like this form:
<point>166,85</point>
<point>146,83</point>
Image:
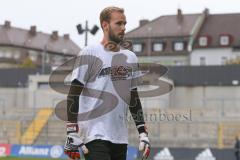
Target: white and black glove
<point>74,142</point>
<point>144,145</point>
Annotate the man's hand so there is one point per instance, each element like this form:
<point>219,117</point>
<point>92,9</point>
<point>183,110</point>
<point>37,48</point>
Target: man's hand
<point>144,145</point>
<point>74,142</point>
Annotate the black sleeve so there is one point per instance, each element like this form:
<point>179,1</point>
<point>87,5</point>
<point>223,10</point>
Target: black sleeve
<point>73,100</point>
<point>137,112</point>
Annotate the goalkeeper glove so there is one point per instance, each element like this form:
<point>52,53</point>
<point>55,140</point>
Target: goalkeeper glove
<point>144,145</point>
<point>74,142</point>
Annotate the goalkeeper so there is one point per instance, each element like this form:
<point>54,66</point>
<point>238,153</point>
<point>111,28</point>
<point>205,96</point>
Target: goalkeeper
<point>104,136</point>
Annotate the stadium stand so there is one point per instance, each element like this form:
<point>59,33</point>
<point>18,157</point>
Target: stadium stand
<point>36,126</point>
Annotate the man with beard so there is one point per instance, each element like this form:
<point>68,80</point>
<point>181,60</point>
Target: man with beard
<point>103,87</point>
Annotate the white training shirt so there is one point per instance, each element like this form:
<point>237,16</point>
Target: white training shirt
<point>107,72</point>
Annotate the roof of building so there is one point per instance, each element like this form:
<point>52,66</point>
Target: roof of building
<point>166,26</point>
<point>216,25</point>
<point>36,40</point>
<point>168,30</point>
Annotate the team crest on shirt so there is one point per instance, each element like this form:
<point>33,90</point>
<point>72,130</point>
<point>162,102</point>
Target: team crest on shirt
<point>116,72</point>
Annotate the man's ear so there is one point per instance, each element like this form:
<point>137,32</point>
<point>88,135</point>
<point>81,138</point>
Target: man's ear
<point>105,25</point>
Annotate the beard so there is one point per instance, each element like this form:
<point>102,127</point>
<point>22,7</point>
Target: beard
<point>115,38</point>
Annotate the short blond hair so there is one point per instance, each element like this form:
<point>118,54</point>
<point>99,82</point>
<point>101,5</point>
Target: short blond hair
<point>105,15</point>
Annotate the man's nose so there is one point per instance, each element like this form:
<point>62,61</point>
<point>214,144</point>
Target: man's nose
<point>123,28</point>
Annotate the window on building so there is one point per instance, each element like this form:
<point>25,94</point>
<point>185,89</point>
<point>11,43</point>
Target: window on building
<point>178,46</point>
<point>203,41</point>
<point>202,61</point>
<point>137,47</point>
<point>8,55</point>
<point>57,59</point>
<point>16,55</point>
<point>33,55</point>
<point>157,46</point>
<point>48,58</point>
<point>224,40</point>
<point>1,54</point>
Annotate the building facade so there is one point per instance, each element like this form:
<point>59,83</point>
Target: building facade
<point>23,47</point>
<point>188,39</point>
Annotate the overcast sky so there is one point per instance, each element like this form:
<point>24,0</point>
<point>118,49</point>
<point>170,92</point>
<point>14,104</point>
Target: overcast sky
<point>64,15</point>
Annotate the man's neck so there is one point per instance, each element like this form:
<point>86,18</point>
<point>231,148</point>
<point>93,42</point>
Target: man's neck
<point>105,42</point>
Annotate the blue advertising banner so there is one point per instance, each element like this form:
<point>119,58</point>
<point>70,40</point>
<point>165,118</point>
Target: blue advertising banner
<point>56,151</point>
<point>132,153</point>
<point>41,151</point>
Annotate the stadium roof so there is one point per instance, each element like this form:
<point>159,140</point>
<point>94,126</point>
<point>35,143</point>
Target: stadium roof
<point>180,75</point>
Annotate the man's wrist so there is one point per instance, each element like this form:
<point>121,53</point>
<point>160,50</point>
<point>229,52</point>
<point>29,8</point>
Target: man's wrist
<point>142,128</point>
<point>72,127</point>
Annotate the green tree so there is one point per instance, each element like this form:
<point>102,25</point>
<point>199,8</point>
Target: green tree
<point>28,63</point>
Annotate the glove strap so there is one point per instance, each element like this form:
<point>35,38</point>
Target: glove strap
<point>72,127</point>
<point>142,135</point>
<point>142,128</point>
